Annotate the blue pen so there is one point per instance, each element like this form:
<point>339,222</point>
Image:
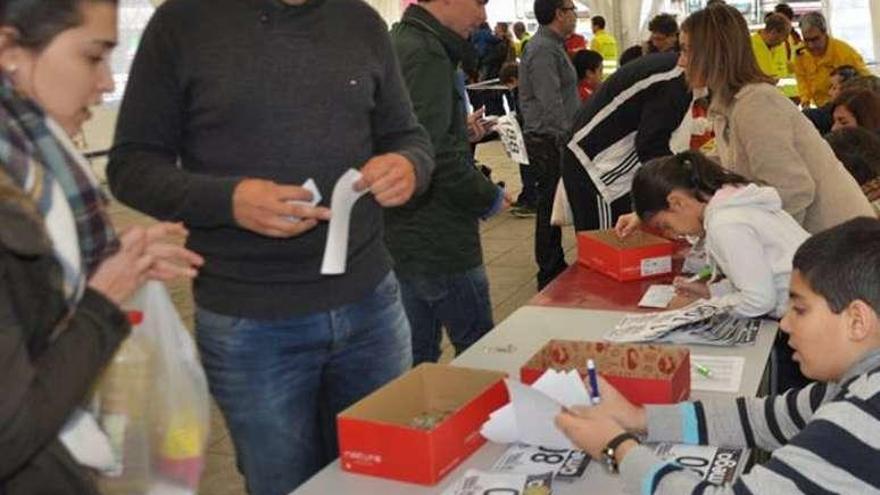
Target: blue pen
<point>594,382</point>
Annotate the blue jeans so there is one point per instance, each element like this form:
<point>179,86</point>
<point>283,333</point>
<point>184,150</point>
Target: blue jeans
<point>280,383</point>
<point>460,302</point>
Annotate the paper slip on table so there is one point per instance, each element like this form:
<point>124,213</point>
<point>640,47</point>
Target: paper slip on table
<point>506,348</point>
<point>582,287</point>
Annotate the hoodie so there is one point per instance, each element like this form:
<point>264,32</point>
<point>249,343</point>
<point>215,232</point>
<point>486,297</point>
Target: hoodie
<point>752,240</point>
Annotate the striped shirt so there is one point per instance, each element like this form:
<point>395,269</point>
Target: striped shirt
<point>824,438</point>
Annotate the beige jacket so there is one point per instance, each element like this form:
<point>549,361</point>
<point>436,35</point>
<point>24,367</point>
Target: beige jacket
<point>764,137</point>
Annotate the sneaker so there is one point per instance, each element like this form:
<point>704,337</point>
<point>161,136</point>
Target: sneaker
<point>523,211</point>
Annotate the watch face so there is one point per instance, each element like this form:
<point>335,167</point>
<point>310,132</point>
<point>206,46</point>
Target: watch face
<point>608,460</point>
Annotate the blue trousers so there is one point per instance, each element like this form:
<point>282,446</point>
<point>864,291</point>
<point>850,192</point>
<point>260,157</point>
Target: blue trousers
<point>280,383</point>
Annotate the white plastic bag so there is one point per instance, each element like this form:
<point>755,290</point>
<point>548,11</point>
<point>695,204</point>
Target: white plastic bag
<point>153,403</point>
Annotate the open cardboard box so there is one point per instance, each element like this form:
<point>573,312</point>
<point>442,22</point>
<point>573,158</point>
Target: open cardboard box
<point>640,255</point>
<point>644,373</point>
<point>377,436</point>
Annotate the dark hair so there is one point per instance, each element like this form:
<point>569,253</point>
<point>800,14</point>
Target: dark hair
<point>864,105</point>
<point>845,72</point>
<point>664,24</point>
<point>859,151</point>
<point>39,21</point>
<point>630,54</point>
<point>842,264</point>
<point>598,21</point>
<point>784,9</point>
<point>869,82</point>
<point>545,10</point>
<point>584,60</point>
<point>508,73</point>
<point>777,23</point>
<point>689,170</point>
<point>519,26</point>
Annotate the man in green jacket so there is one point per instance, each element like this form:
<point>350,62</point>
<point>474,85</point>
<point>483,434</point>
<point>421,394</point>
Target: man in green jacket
<point>435,239</point>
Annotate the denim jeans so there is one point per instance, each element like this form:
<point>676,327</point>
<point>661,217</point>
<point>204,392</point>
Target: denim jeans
<point>459,302</point>
<point>280,383</point>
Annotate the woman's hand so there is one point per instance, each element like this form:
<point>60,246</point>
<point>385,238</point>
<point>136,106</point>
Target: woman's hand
<point>170,258</point>
<point>120,275</point>
<point>626,225</point>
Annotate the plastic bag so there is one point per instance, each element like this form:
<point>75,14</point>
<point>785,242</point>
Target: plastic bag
<point>153,403</point>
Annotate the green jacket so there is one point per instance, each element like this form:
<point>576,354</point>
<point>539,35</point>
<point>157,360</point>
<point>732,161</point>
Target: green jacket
<point>438,232</point>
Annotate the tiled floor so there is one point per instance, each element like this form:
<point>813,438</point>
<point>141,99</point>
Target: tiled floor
<point>509,257</point>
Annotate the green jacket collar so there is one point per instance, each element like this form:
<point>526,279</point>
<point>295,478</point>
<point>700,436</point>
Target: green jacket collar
<point>417,16</point>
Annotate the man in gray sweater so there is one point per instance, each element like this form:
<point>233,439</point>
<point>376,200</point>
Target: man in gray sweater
<point>230,107</point>
<point>549,100</point>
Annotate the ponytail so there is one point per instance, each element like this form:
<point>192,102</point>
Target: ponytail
<point>690,171</point>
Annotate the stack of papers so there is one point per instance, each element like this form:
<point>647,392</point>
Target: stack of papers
<point>529,417</point>
<point>701,322</point>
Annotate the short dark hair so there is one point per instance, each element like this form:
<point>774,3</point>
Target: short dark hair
<point>584,60</point>
<point>845,72</point>
<point>842,264</point>
<point>508,73</point>
<point>784,9</point>
<point>630,54</point>
<point>663,23</point>
<point>38,22</point>
<point>864,105</point>
<point>689,170</point>
<point>777,23</point>
<point>859,151</point>
<point>598,21</point>
<point>545,10</point>
<point>519,26</point>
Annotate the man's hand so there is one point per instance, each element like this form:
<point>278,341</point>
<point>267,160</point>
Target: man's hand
<point>264,207</point>
<point>390,177</point>
<point>476,128</point>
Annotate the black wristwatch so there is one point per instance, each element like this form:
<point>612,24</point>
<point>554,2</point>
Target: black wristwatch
<point>609,450</point>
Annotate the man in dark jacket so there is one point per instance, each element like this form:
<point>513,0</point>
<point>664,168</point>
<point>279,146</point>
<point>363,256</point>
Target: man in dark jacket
<point>614,136</point>
<point>435,239</point>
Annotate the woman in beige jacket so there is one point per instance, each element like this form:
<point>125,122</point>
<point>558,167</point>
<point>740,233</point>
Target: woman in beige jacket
<point>760,134</point>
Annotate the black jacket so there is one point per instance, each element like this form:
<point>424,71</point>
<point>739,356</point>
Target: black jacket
<point>48,360</point>
<point>627,122</point>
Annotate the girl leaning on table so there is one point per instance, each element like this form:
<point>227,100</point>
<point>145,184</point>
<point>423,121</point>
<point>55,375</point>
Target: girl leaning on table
<point>64,273</point>
<point>747,235</point>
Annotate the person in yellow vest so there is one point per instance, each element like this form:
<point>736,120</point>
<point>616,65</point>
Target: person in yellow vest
<point>768,44</point>
<point>522,37</point>
<point>603,42</point>
<point>820,55</point>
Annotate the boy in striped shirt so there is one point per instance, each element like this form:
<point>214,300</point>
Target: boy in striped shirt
<point>824,438</point>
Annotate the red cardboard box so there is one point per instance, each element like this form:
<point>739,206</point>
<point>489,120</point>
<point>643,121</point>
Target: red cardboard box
<point>640,255</point>
<point>644,373</point>
<point>378,436</point>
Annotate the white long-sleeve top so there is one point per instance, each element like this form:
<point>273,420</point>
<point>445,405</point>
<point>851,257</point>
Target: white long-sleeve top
<point>752,240</point>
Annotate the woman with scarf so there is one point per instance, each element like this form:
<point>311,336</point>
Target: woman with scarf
<point>64,273</point>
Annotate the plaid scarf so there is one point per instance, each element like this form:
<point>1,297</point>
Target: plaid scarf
<point>42,160</point>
